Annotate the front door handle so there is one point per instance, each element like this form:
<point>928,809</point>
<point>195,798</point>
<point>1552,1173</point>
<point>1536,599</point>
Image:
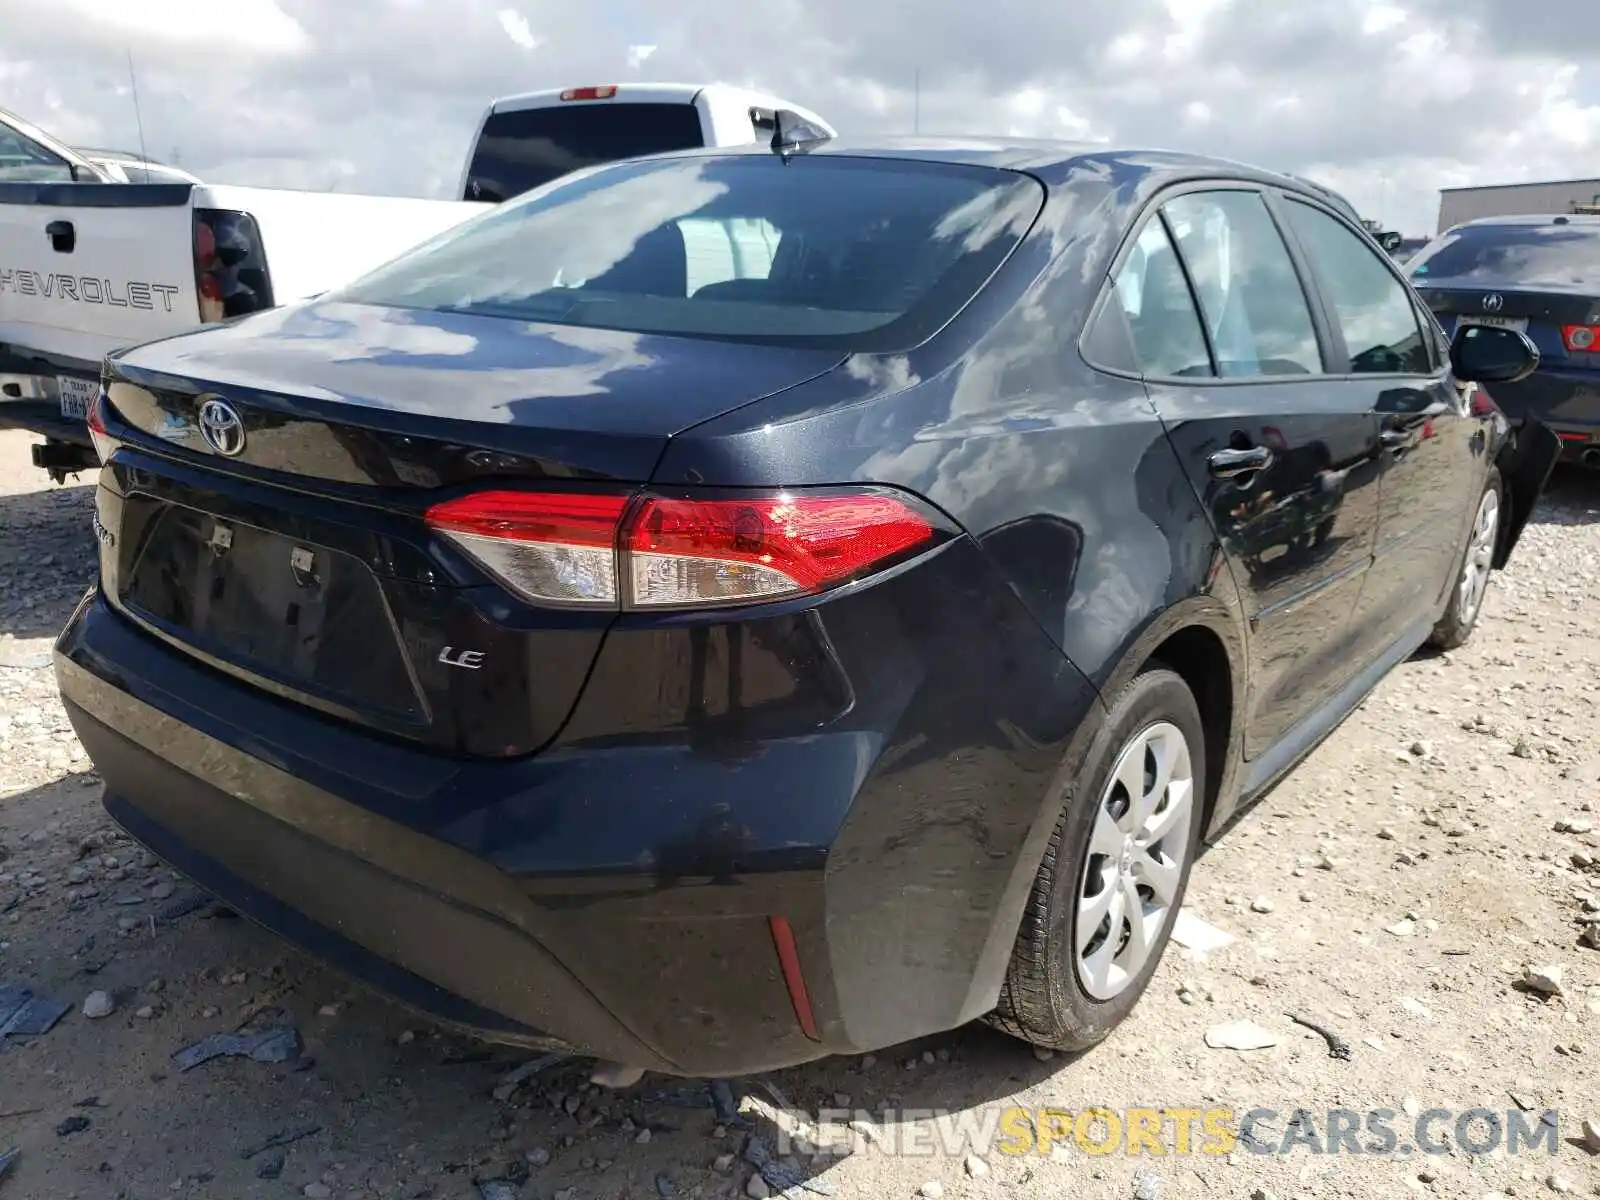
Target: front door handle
<point>1231,464</point>
<point>63,237</point>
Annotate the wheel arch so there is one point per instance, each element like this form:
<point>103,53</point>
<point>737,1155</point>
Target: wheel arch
<point>1203,641</point>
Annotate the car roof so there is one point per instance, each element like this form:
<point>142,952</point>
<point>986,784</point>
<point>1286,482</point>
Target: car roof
<point>1582,219</point>
<point>1051,160</point>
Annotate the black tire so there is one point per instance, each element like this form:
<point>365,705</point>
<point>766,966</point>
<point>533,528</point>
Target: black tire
<point>1043,1001</point>
<point>1459,619</point>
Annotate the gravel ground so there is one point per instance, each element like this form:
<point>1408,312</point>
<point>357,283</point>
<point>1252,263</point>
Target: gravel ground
<point>1399,886</point>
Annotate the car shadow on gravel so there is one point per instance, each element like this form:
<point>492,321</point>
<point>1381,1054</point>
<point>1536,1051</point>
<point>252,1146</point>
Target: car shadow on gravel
<point>49,556</point>
<point>1571,497</point>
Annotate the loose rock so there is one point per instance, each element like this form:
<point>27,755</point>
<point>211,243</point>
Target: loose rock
<point>1240,1035</point>
<point>97,1005</point>
<point>1544,980</point>
<point>1262,904</point>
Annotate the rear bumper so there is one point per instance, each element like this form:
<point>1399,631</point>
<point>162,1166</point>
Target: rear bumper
<point>44,418</point>
<point>29,396</point>
<point>1567,402</point>
<point>614,901</point>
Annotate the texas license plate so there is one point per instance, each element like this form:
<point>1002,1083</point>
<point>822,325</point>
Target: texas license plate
<point>1520,324</point>
<point>75,395</point>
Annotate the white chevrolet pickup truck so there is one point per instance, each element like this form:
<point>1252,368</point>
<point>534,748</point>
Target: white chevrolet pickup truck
<point>89,264</point>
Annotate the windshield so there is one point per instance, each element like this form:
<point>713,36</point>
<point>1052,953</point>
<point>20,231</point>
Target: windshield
<point>853,253</point>
<point>519,151</point>
<point>1528,255</point>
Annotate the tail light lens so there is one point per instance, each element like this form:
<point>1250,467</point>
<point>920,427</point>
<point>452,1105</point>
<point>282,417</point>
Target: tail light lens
<point>603,92</point>
<point>684,551</point>
<point>94,417</point>
<point>1581,339</point>
<point>547,548</point>
<point>230,265</point>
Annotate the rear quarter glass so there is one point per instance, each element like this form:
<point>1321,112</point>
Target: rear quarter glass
<point>853,254</point>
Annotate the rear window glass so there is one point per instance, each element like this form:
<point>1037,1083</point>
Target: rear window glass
<point>854,253</point>
<point>519,151</point>
<point>1508,254</point>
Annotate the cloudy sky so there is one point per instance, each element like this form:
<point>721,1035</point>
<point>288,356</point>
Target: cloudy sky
<point>1387,101</point>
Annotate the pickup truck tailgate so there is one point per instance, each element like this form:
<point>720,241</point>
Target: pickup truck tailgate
<point>86,268</point>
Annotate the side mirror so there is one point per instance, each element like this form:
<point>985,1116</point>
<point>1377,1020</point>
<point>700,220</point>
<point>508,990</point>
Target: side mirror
<point>1490,354</point>
<point>1390,242</point>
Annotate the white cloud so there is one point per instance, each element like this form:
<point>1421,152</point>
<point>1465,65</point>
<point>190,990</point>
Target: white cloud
<point>1381,18</point>
<point>517,28</point>
<point>1386,99</point>
<point>260,25</point>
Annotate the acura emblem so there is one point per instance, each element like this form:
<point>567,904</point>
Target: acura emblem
<point>1493,302</point>
<point>221,427</point>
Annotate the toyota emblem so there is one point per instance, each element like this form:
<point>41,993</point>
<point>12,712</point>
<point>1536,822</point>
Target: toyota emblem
<point>1493,302</point>
<point>221,427</point>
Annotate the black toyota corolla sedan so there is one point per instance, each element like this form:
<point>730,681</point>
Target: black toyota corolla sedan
<point>728,608</point>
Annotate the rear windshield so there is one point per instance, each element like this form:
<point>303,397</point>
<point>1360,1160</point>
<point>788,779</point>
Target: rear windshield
<point>853,253</point>
<point>519,151</point>
<point>1559,255</point>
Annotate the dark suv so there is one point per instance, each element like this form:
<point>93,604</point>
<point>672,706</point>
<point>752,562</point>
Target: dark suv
<point>729,608</point>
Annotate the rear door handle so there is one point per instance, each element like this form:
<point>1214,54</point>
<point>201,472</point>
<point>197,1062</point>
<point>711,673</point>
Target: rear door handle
<point>1231,464</point>
<point>63,237</point>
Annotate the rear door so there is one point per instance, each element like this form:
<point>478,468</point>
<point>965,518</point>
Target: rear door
<point>1433,449</point>
<point>1283,457</point>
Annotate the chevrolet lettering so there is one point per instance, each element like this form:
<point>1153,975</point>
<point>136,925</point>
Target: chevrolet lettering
<point>86,289</point>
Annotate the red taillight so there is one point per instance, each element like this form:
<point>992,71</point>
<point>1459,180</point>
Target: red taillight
<point>1581,339</point>
<point>552,548</point>
<point>230,267</point>
<point>709,551</point>
<point>94,416</point>
<point>681,551</point>
<point>590,93</point>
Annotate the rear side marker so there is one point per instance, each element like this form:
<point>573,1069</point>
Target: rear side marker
<point>789,963</point>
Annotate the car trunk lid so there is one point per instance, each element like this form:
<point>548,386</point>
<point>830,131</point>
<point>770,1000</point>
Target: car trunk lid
<point>1539,312</point>
<point>297,557</point>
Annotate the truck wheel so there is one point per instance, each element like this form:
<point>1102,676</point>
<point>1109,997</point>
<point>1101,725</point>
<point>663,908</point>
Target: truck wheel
<point>1114,873</point>
<point>1465,605</point>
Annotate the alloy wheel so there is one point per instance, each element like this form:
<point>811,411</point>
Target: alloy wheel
<point>1480,555</point>
<point>1136,860</point>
